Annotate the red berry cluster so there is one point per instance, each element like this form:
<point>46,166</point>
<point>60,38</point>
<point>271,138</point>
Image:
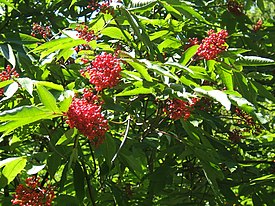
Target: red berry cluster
<point>235,7</point>
<point>85,33</point>
<point>85,114</point>
<point>177,108</point>
<point>41,30</point>
<point>191,42</point>
<point>103,72</point>
<point>212,45</point>
<point>103,6</point>
<point>33,193</point>
<point>258,25</point>
<point>7,74</point>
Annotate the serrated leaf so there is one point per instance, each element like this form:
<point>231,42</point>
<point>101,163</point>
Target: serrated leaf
<point>7,52</point>
<point>13,168</point>
<point>47,99</point>
<point>253,61</point>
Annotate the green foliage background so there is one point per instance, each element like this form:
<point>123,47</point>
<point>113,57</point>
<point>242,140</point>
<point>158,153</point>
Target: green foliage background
<point>146,159</point>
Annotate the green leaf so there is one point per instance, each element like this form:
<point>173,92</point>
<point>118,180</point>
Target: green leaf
<point>27,84</point>
<point>5,83</point>
<point>10,91</point>
<point>56,45</point>
<point>19,38</point>
<point>260,4</point>
<point>72,3</point>
<point>65,104</point>
<point>140,68</point>
<point>217,95</point>
<point>35,169</point>
<point>188,54</point>
<point>116,33</point>
<point>253,61</point>
<point>51,85</point>
<point>226,76</point>
<point>108,148</point>
<point>136,91</point>
<point>13,168</point>
<point>21,116</point>
<point>66,200</point>
<point>262,91</point>
<point>8,4</point>
<point>78,179</point>
<point>169,43</point>
<point>7,52</point>
<point>131,162</point>
<point>158,69</point>
<point>47,99</point>
<point>139,30</point>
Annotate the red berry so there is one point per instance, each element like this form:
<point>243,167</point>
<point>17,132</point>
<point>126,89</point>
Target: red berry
<point>33,194</point>
<point>85,114</point>
<point>213,45</point>
<point>104,71</point>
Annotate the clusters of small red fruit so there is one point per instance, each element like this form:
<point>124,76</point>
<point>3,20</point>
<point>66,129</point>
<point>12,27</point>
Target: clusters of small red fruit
<point>246,122</point>
<point>235,7</point>
<point>177,108</point>
<point>7,74</point>
<point>258,25</point>
<point>33,193</point>
<point>103,7</point>
<point>212,45</point>
<point>37,29</point>
<point>85,33</point>
<point>191,42</point>
<point>85,114</point>
<point>103,72</point>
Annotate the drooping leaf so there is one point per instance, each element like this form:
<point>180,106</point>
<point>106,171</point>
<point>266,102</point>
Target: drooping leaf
<point>13,168</point>
<point>253,61</point>
<point>35,169</point>
<point>7,52</point>
<point>10,91</point>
